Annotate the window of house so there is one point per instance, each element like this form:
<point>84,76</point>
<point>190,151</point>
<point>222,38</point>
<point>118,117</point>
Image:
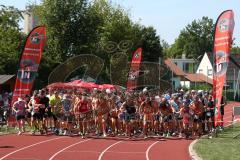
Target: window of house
<point>186,67</point>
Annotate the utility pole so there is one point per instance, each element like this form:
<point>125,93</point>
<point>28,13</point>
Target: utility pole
<point>234,82</point>
<point>159,74</point>
<point>207,76</point>
<point>172,82</point>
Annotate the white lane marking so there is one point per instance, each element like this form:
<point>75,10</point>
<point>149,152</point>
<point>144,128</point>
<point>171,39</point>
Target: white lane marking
<point>53,156</point>
<point>26,147</point>
<point>147,152</point>
<point>76,151</point>
<point>15,158</point>
<point>136,142</point>
<point>101,155</point>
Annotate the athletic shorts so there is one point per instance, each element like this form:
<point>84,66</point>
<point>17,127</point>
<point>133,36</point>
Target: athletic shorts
<point>121,116</point>
<point>156,117</point>
<point>49,114</point>
<point>45,115</point>
<point>177,116</point>
<point>68,117</point>
<point>36,116</point>
<point>137,116</point>
<point>55,116</point>
<point>197,119</point>
<point>167,118</point>
<point>19,117</point>
<point>208,115</point>
<point>129,117</point>
<point>28,115</point>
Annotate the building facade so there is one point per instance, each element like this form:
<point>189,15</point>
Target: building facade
<point>186,65</point>
<point>205,67</point>
<point>30,21</point>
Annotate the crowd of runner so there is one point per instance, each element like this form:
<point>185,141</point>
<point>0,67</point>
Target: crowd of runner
<point>106,113</point>
<point>5,99</point>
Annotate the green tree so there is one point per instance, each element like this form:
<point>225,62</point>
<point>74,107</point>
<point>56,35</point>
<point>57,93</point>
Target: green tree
<point>151,44</point>
<point>165,47</point>
<point>82,27</point>
<point>194,40</point>
<point>235,50</point>
<point>11,39</point>
<point>71,28</point>
<point>118,29</point>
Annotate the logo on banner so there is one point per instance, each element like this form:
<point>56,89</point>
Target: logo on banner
<point>133,75</point>
<point>137,55</point>
<point>35,38</point>
<point>226,25</point>
<point>27,71</point>
<point>221,63</point>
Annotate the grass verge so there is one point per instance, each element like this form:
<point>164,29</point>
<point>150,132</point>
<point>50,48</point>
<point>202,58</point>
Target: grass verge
<point>11,130</point>
<point>226,146</point>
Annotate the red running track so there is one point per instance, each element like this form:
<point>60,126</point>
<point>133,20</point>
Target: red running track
<point>25,147</point>
<point>228,112</point>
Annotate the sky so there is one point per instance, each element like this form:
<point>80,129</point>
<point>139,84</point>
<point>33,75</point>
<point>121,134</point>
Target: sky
<point>168,17</point>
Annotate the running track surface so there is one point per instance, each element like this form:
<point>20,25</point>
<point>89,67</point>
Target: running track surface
<point>26,147</point>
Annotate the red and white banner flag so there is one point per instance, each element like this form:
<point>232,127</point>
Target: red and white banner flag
<point>222,44</point>
<point>134,70</point>
<point>29,62</point>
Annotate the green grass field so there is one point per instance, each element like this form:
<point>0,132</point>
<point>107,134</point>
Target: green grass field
<point>11,130</point>
<point>226,146</point>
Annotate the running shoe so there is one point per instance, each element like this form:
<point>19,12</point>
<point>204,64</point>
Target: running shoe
<point>168,135</point>
<point>180,135</point>
<point>104,135</point>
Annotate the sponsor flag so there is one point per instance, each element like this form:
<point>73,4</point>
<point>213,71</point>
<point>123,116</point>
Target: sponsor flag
<point>29,62</point>
<point>134,69</point>
<point>221,50</point>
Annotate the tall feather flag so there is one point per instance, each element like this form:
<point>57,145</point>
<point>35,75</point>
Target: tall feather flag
<point>29,62</point>
<point>221,51</point>
<point>134,70</point>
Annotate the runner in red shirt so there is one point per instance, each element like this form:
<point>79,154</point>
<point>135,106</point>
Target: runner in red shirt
<point>185,113</point>
<point>81,108</point>
<point>197,107</point>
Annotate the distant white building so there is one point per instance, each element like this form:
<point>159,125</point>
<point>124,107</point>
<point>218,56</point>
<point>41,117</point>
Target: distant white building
<point>185,64</point>
<point>30,21</point>
<point>205,67</point>
<point>184,75</point>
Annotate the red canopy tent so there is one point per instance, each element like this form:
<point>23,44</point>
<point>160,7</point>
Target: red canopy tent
<point>80,84</point>
<point>75,82</point>
<point>59,85</point>
<point>107,86</point>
